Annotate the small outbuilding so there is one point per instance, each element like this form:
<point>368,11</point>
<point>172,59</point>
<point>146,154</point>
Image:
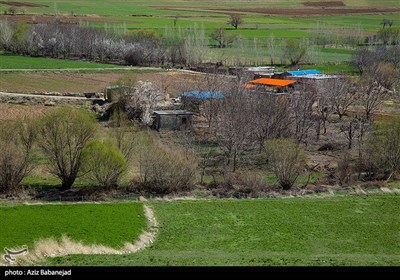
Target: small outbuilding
<point>172,120</point>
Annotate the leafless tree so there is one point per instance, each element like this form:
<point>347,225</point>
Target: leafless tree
<point>302,114</point>
<point>223,39</point>
<point>284,158</point>
<point>62,136</point>
<point>235,20</point>
<point>272,48</point>
<point>375,85</point>
<point>16,143</point>
<point>355,129</point>
<point>6,33</point>
<point>341,93</point>
<point>323,108</point>
<point>270,117</point>
<point>210,107</point>
<point>233,129</point>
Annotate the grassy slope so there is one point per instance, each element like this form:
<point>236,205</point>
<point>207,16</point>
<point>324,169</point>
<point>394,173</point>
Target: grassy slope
<point>334,231</point>
<point>26,62</point>
<point>107,224</point>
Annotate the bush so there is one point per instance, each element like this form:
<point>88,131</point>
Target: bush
<point>166,170</point>
<point>284,159</point>
<point>382,151</point>
<point>244,181</point>
<point>104,163</point>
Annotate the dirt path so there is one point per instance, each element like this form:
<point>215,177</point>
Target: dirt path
<point>50,247</point>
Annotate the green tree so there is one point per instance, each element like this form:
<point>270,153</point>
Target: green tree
<point>62,136</point>
<point>104,163</point>
<point>295,51</point>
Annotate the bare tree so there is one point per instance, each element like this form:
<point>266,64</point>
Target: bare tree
<point>270,117</point>
<point>375,85</point>
<point>302,114</point>
<point>272,47</point>
<point>233,129</point>
<point>324,109</point>
<point>341,93</point>
<point>284,158</point>
<point>16,143</point>
<point>235,20</point>
<point>355,129</point>
<point>62,136</point>
<point>223,39</point>
<point>6,34</point>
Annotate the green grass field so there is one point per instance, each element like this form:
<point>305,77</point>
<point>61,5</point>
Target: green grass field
<point>26,62</point>
<point>106,224</point>
<point>359,230</point>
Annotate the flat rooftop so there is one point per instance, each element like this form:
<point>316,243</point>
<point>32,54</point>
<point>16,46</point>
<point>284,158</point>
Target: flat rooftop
<point>172,112</point>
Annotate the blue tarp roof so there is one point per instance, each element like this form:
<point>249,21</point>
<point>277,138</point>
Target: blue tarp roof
<point>203,94</point>
<point>304,72</point>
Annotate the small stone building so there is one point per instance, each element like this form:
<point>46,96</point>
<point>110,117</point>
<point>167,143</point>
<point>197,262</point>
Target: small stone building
<point>172,120</point>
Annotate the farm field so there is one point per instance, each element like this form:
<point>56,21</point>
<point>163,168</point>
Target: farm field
<point>171,82</point>
<point>261,18</point>
<point>105,224</point>
<point>26,62</point>
<point>360,230</point>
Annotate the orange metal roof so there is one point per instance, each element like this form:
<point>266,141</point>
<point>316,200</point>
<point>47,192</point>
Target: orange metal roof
<point>272,82</point>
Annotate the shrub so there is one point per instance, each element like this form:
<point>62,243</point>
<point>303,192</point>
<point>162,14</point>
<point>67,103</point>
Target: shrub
<point>166,170</point>
<point>104,163</point>
<point>382,152</point>
<point>284,159</point>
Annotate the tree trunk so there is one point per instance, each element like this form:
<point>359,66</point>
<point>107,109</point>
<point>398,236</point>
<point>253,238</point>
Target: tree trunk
<point>67,183</point>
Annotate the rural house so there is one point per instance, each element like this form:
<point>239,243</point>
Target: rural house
<point>172,120</point>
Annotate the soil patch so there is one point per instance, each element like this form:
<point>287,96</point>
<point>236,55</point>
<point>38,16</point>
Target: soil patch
<point>324,4</point>
<point>22,4</point>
